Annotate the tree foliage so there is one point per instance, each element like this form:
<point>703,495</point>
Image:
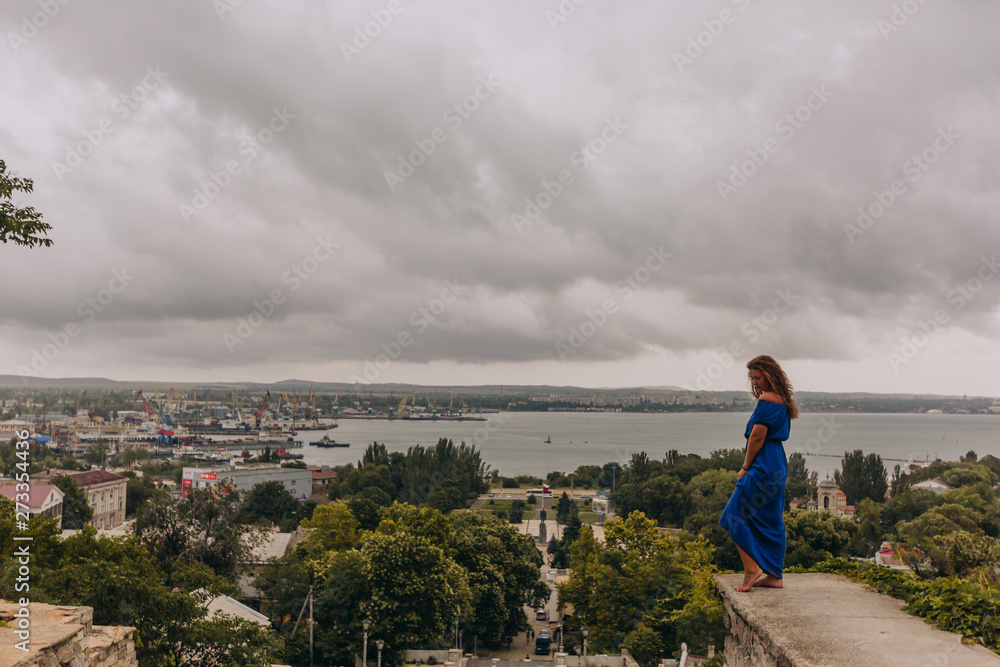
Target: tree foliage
<point>444,476</point>
<point>204,527</point>
<point>19,225</point>
<point>76,512</point>
<point>862,477</point>
<point>642,579</point>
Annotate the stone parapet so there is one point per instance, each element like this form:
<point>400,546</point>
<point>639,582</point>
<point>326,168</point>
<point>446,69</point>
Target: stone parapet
<point>65,637</point>
<point>825,620</point>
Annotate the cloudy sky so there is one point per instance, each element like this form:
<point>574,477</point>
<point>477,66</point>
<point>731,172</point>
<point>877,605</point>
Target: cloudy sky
<point>525,191</point>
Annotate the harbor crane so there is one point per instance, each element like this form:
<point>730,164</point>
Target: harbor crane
<point>260,413</point>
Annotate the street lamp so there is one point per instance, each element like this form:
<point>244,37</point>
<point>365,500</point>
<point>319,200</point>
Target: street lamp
<point>456,632</point>
<point>365,624</point>
<point>561,638</point>
<point>585,631</point>
<point>579,655</point>
<point>379,644</point>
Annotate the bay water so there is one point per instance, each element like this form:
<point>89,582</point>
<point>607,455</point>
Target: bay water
<point>514,442</point>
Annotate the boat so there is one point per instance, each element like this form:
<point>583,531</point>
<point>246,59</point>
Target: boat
<point>327,442</point>
<point>548,439</point>
<point>286,455</point>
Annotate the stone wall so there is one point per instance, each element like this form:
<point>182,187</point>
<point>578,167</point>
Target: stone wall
<point>65,637</point>
<point>825,620</point>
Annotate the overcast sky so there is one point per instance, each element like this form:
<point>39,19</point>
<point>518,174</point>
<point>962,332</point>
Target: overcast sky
<point>525,191</point>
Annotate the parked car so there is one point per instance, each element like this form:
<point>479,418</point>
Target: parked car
<point>541,614</point>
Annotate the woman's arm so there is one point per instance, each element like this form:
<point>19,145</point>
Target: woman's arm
<point>755,442</point>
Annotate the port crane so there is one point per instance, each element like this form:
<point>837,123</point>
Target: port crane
<point>260,413</point>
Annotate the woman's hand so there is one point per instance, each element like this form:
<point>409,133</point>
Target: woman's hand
<point>741,474</point>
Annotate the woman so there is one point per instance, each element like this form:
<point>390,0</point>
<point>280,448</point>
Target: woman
<point>754,515</point>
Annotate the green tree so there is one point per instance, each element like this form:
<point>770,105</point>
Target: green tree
<point>22,226</point>
<point>645,644</point>
<point>416,589</point>
<point>77,512</point>
<point>331,528</point>
<point>137,491</point>
<point>900,482</point>
<point>862,477</point>
<point>273,503</point>
<point>814,536</point>
<point>503,574</point>
<point>97,453</point>
<point>130,455</point>
<point>801,483</point>
<point>202,527</point>
<point>640,577</point>
<point>564,508</point>
<point>516,511</point>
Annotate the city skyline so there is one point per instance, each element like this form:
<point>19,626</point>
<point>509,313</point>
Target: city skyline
<point>564,193</point>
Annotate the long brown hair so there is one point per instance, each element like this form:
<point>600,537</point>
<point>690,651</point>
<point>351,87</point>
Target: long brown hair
<point>777,379</point>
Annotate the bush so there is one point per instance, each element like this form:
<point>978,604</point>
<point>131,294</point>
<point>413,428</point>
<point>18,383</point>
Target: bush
<point>432,660</point>
<point>489,502</point>
<point>532,500</point>
<point>509,483</point>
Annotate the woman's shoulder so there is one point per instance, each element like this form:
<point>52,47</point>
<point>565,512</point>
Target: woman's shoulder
<point>770,397</point>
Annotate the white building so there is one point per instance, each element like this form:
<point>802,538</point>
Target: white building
<point>298,481</point>
<point>43,500</point>
<point>937,485</point>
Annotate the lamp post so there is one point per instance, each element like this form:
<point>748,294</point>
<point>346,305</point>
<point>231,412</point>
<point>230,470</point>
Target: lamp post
<point>365,624</point>
<point>579,654</point>
<point>585,631</point>
<point>456,632</point>
<point>561,638</point>
<point>379,644</point>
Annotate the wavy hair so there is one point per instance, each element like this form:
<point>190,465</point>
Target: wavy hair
<point>777,379</point>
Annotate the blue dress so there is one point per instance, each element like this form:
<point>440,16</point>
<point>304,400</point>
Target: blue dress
<point>754,516</point>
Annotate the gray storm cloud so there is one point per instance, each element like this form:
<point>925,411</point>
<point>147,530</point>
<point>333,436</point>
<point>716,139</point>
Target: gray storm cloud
<point>354,157</point>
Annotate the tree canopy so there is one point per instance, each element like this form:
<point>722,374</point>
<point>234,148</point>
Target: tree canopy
<point>19,225</point>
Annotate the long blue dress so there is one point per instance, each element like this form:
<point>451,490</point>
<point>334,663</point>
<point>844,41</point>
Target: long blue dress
<point>754,515</point>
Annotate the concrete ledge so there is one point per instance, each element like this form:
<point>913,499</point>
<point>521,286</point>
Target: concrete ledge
<point>825,620</point>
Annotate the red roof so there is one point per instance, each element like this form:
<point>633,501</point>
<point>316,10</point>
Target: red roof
<point>324,474</point>
<point>92,477</point>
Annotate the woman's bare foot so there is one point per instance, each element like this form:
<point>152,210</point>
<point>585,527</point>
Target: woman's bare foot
<point>769,581</point>
<point>749,577</point>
